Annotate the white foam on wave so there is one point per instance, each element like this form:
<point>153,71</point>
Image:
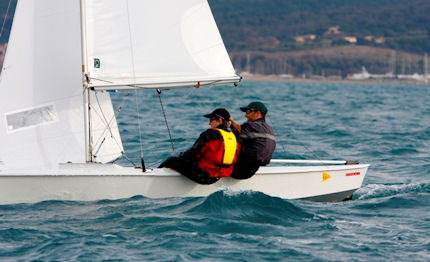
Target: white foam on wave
<point>383,190</point>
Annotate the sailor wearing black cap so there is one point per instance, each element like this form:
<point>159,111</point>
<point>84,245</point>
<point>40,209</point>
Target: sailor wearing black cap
<point>213,154</point>
<point>257,141</point>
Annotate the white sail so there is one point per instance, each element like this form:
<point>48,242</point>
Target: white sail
<point>106,140</point>
<point>42,120</point>
<point>41,105</point>
<point>154,43</point>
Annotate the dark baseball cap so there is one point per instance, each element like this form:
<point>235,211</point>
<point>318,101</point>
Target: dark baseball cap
<point>256,106</point>
<point>219,113</point>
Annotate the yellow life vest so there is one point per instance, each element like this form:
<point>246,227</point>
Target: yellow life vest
<point>230,146</point>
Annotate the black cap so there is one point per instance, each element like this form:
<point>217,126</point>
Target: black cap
<point>219,113</point>
<point>256,106</point>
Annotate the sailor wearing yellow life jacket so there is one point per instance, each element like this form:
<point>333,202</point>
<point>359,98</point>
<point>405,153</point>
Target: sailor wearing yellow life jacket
<point>213,154</point>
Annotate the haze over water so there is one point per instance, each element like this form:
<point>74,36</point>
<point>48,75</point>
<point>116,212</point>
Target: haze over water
<point>385,125</point>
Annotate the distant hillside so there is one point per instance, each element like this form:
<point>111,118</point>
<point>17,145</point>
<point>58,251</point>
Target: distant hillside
<point>284,25</point>
<point>308,37</point>
<point>330,37</point>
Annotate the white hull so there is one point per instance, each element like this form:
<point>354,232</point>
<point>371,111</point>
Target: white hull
<point>88,182</point>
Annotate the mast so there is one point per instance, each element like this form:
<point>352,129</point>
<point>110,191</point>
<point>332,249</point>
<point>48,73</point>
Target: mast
<point>85,81</point>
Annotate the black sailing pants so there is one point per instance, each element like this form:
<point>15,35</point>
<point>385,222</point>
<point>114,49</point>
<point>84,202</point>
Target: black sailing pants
<point>190,170</point>
<point>244,168</point>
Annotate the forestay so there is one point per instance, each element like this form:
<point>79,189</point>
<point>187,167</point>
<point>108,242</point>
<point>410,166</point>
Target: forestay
<point>154,44</point>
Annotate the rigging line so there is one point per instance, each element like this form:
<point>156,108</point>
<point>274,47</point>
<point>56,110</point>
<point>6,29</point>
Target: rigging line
<point>138,123</point>
<point>129,160</point>
<point>103,115</point>
<point>131,41</point>
<point>5,17</point>
<point>209,86</point>
<point>165,119</point>
<point>102,135</point>
<point>107,125</point>
<point>98,79</point>
<point>273,126</point>
<point>301,144</point>
<point>134,79</point>
<point>99,147</point>
<point>117,114</point>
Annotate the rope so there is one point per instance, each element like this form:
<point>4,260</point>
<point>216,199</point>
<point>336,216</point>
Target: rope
<point>126,157</point>
<point>165,118</point>
<point>279,142</point>
<point>5,17</point>
<point>135,91</point>
<point>117,112</point>
<point>131,42</point>
<point>138,123</point>
<point>301,144</point>
<point>107,123</point>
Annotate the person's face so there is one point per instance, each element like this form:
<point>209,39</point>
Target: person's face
<point>252,115</point>
<point>214,122</point>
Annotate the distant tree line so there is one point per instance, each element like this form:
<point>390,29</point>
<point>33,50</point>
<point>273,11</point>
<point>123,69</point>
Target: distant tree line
<point>273,25</point>
<point>330,37</point>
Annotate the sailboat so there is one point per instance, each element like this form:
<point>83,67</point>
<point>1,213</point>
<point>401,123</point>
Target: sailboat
<point>58,131</point>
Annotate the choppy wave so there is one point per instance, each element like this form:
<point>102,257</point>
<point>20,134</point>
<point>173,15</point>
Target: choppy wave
<point>385,190</point>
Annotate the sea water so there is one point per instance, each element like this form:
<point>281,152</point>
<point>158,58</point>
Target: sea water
<point>385,125</point>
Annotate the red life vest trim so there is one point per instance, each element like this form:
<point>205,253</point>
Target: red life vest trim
<point>211,157</point>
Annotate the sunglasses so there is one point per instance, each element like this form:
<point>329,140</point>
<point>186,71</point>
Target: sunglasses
<point>250,110</point>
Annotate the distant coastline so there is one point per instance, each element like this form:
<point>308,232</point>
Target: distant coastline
<point>246,77</point>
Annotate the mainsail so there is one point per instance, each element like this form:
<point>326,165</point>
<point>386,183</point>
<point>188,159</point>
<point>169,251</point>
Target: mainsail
<point>42,119</point>
<point>154,44</point>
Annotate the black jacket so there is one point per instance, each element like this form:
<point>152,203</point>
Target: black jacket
<point>258,142</point>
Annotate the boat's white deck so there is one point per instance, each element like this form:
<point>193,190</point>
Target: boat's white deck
<point>95,169</point>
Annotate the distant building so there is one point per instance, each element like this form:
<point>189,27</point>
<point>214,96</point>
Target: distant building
<point>350,39</point>
<point>305,38</point>
<point>369,38</point>
<point>379,40</point>
<point>333,30</point>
